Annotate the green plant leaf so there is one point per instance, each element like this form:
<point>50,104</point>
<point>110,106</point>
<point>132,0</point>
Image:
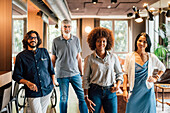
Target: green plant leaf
<point>160,52</point>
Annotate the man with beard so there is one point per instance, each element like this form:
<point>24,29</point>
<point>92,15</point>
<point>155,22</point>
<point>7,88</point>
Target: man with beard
<point>34,69</point>
<point>67,59</point>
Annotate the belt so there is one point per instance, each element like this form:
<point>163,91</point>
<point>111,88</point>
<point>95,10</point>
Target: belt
<point>101,87</point>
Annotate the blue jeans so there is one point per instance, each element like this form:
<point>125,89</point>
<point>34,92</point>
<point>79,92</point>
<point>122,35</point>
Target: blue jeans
<point>103,97</point>
<point>76,83</point>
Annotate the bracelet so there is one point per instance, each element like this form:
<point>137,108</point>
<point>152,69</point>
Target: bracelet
<point>85,96</point>
<point>158,76</point>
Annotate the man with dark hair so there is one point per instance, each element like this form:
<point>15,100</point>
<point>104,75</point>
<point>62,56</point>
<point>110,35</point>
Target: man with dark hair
<point>66,55</point>
<point>34,69</point>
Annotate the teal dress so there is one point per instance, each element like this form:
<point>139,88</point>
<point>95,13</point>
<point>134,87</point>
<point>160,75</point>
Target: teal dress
<point>142,99</point>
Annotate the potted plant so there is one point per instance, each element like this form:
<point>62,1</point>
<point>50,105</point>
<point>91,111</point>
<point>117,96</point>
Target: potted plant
<point>162,50</point>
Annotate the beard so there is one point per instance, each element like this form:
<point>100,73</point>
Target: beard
<point>32,46</point>
<point>66,34</point>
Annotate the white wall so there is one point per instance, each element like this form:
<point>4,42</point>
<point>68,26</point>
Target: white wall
<point>85,47</point>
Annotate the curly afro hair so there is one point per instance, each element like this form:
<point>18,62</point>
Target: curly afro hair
<point>100,32</point>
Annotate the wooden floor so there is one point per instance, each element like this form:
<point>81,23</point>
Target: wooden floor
<point>73,104</point>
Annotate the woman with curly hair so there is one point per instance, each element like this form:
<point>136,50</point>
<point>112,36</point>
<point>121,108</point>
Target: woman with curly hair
<point>101,72</point>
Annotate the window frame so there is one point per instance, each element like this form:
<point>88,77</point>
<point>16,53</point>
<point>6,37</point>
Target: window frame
<point>113,26</point>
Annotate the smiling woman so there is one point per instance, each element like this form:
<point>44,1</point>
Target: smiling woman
<point>138,70</point>
<point>101,64</point>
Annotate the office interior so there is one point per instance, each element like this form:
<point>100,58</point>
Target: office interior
<point>126,18</point>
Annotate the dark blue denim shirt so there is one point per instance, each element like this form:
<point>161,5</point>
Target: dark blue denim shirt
<point>36,68</point>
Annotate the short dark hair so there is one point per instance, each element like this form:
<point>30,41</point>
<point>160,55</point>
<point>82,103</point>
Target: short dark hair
<point>97,33</point>
<point>26,37</point>
<point>147,39</point>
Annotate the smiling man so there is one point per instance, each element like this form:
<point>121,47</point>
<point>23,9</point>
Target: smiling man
<point>67,59</point>
<point>34,69</point>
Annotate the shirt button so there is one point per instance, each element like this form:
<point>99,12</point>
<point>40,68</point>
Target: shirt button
<point>36,61</point>
<point>39,74</point>
<point>40,80</point>
<point>37,67</point>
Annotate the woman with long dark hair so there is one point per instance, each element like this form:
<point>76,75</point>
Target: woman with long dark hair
<point>138,68</point>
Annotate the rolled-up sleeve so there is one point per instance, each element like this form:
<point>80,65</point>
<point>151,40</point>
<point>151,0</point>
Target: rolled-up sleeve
<point>118,69</point>
<point>87,72</point>
<point>18,70</point>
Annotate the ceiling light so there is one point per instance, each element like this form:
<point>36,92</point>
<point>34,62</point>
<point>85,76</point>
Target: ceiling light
<point>88,29</point>
<point>43,16</point>
<point>138,19</point>
<point>109,7</point>
<point>160,10</point>
<point>129,14</point>
<point>39,13</point>
<point>145,5</point>
<point>149,12</point>
<point>168,12</point>
<point>94,1</point>
<point>152,9</point>
<point>77,9</point>
<point>113,1</point>
<point>134,9</point>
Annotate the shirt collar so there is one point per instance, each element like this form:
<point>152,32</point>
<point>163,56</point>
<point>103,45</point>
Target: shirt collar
<point>96,56</point>
<point>71,37</point>
<point>33,51</point>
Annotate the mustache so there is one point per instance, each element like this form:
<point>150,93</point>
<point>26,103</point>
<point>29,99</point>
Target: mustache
<point>67,30</point>
<point>32,41</point>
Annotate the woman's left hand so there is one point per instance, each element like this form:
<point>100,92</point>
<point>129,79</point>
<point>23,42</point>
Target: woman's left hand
<point>114,89</point>
<point>152,79</point>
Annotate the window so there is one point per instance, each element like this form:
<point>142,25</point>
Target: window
<point>120,32</point>
<point>74,27</point>
<point>18,35</point>
<point>152,31</point>
<point>53,33</point>
<point>106,23</point>
<point>121,36</point>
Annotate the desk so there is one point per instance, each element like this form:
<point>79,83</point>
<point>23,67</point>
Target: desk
<point>163,87</point>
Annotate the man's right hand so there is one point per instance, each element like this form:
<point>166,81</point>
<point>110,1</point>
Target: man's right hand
<point>90,104</point>
<point>32,86</point>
